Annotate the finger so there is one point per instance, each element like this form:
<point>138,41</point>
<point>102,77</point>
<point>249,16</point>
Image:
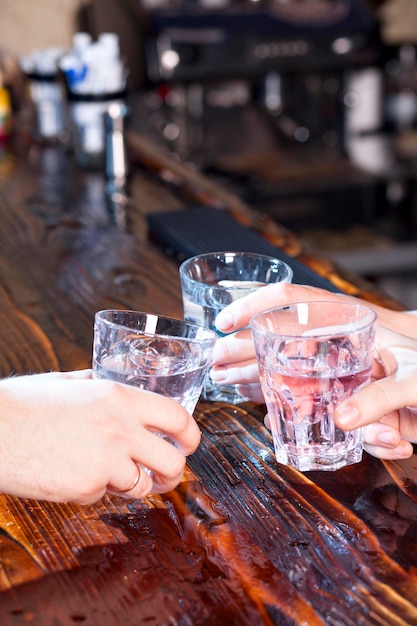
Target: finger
<point>380,398</point>
<point>139,486</point>
<point>239,312</point>
<point>157,413</point>
<point>167,475</point>
<point>382,434</point>
<point>164,460</point>
<point>391,431</point>
<point>163,486</point>
<point>403,451</point>
<point>236,347</point>
<point>380,440</point>
<point>252,392</point>
<point>245,373</point>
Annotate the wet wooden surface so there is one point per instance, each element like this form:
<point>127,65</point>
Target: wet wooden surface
<point>242,540</point>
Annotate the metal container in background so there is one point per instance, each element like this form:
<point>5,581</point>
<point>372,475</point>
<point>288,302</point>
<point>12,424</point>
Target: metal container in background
<point>115,162</point>
<point>47,95</point>
<point>86,120</point>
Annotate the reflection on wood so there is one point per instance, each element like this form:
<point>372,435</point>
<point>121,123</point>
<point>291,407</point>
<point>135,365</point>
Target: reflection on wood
<point>242,541</point>
<point>404,473</point>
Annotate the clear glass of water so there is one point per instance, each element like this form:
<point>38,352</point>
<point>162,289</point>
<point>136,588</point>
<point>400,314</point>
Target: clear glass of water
<point>311,357</point>
<point>211,281</point>
<point>160,354</point>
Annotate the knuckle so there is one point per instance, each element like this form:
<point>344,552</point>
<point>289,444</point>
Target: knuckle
<point>177,466</point>
<point>224,348</point>
<point>378,394</point>
<point>110,391</point>
<point>171,473</point>
<point>180,419</point>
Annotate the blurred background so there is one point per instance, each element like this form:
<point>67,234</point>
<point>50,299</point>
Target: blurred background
<point>307,109</point>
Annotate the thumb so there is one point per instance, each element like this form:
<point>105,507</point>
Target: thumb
<point>379,398</point>
<point>397,359</point>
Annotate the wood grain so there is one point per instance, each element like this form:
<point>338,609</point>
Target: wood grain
<point>242,540</point>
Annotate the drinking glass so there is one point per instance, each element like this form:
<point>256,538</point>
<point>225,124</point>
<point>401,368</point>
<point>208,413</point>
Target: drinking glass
<point>212,281</point>
<point>160,354</point>
<point>311,357</point>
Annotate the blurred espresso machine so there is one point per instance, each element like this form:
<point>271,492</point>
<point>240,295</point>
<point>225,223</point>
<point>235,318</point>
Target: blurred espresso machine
<point>284,100</point>
<point>302,80</point>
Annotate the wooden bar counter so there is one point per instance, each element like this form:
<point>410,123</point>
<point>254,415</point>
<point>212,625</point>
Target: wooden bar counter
<point>242,540</point>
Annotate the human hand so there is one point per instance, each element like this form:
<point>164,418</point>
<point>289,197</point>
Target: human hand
<point>387,407</point>
<point>67,437</point>
<point>234,360</point>
<point>390,425</point>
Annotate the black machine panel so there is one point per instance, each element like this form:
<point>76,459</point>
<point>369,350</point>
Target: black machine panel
<point>247,40</point>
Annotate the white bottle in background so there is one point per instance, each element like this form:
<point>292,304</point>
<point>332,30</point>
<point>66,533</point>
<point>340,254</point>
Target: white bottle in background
<point>113,67</point>
<point>80,42</point>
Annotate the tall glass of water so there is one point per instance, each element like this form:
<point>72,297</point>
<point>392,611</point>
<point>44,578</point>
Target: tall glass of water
<point>160,354</point>
<point>211,281</point>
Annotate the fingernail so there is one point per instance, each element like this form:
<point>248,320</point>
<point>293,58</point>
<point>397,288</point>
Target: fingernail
<point>224,320</point>
<point>347,416</point>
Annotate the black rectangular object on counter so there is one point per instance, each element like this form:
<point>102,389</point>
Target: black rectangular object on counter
<point>199,229</point>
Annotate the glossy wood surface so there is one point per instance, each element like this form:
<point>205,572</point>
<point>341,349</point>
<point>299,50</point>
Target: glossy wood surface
<point>242,540</point>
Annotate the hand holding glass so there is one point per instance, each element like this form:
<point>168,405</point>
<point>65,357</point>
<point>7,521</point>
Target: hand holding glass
<point>311,357</point>
<point>212,281</point>
<point>160,354</point>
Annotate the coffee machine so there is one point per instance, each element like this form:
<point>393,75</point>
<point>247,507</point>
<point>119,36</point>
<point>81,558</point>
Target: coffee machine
<point>294,54</point>
<point>301,73</point>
